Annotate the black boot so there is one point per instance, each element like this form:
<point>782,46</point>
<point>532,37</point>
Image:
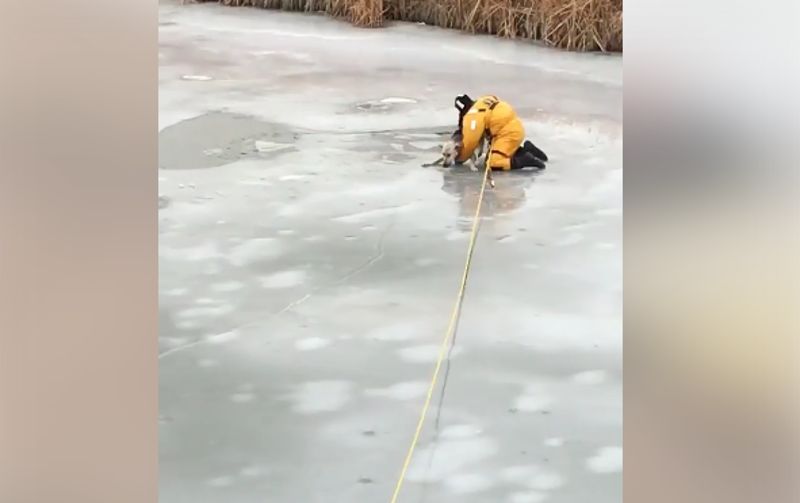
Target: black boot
<point>524,159</point>
<point>533,149</point>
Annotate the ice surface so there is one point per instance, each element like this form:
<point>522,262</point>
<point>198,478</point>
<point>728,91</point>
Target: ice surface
<point>607,460</point>
<point>308,265</point>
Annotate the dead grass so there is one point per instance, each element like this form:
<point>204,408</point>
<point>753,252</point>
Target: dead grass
<point>366,13</point>
<point>577,25</point>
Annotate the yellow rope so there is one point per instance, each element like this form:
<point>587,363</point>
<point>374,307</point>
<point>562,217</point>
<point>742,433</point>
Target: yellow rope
<point>449,333</point>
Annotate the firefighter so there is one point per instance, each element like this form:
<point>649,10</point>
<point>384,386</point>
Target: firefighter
<point>489,114</point>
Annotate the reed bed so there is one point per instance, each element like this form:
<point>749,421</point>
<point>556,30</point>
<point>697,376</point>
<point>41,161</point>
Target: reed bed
<point>576,25</point>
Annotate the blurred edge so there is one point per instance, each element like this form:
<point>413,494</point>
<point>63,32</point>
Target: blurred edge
<point>78,257</point>
<point>711,252</point>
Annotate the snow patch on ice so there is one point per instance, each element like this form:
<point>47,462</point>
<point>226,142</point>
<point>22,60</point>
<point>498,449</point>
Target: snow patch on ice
<point>423,354</point>
<point>590,377</point>
<point>311,344</point>
<point>397,99</point>
<point>606,460</point>
<point>253,251</point>
<point>401,391</point>
<point>468,483</point>
<point>200,78</point>
<point>284,279</point>
<point>223,337</point>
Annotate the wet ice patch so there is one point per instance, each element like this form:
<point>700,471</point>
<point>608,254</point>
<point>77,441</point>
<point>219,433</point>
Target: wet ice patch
<point>554,442</point>
<point>423,354</point>
<point>401,391</point>
<point>183,145</point>
<point>253,251</point>
<point>283,279</point>
<point>197,78</point>
<point>606,460</point>
<point>590,377</point>
<point>311,344</point>
<point>321,396</point>
<point>468,483</point>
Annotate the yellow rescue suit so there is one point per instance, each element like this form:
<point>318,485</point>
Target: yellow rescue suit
<point>489,113</point>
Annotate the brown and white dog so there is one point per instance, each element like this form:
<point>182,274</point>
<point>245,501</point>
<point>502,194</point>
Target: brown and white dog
<point>452,147</point>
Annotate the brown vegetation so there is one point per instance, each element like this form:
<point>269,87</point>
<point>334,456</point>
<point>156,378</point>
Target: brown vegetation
<point>579,25</point>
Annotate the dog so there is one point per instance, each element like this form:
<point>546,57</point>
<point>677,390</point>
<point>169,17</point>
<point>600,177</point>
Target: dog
<point>452,147</point>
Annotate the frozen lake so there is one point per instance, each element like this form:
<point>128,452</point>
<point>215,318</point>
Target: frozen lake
<point>308,266</point>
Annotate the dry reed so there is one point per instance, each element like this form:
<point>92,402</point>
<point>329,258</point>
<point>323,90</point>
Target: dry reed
<point>577,25</point>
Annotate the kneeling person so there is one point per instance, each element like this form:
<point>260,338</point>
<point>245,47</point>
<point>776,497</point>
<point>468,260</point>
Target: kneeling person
<point>491,115</point>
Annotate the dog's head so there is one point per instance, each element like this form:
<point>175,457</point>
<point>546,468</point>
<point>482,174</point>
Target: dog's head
<point>451,149</point>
